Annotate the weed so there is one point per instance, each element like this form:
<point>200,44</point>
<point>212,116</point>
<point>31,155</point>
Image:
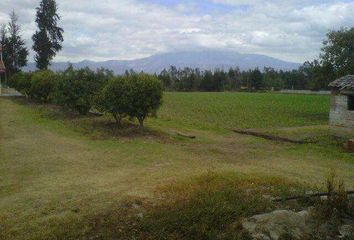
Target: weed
<point>207,207</point>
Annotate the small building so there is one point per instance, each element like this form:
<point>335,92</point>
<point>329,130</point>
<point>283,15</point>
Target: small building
<point>341,119</point>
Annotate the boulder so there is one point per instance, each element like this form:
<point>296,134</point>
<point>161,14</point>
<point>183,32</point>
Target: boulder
<point>346,231</point>
<point>277,224</point>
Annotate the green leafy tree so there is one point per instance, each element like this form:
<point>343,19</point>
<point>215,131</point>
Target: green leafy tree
<point>315,75</point>
<point>256,79</point>
<point>338,51</point>
<point>42,85</point>
<point>22,82</point>
<point>144,96</point>
<point>114,98</point>
<point>207,81</point>
<point>165,78</point>
<point>272,79</point>
<point>77,89</point>
<point>49,36</point>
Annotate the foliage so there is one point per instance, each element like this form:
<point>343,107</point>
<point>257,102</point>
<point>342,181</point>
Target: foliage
<point>76,89</point>
<point>21,81</point>
<point>114,99</point>
<point>134,95</point>
<point>42,85</point>
<point>144,96</point>
<point>336,60</point>
<point>317,75</point>
<point>49,36</point>
<point>14,49</point>
<point>256,79</point>
<point>338,51</point>
<point>234,79</point>
<point>337,200</point>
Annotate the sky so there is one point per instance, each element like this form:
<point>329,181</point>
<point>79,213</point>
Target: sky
<point>291,30</point>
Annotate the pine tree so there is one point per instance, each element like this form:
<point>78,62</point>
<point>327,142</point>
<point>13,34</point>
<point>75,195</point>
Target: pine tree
<point>47,40</point>
<point>14,46</point>
<point>4,42</point>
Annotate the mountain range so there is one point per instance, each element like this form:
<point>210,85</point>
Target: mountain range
<point>202,59</point>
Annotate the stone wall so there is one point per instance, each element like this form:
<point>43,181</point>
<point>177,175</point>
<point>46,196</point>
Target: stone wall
<point>307,92</point>
<point>341,120</point>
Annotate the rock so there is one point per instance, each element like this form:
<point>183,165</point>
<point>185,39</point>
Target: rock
<point>327,229</point>
<point>346,231</point>
<point>267,197</point>
<point>323,198</point>
<point>276,224</point>
<point>135,206</point>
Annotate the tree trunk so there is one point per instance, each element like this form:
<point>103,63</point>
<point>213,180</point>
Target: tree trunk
<point>118,119</point>
<point>141,123</point>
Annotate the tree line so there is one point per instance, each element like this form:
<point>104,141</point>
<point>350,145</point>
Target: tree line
<point>336,60</point>
<point>188,79</point>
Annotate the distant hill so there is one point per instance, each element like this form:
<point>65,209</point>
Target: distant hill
<point>203,59</point>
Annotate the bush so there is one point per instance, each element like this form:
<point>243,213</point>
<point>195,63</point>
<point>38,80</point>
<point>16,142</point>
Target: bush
<point>42,85</point>
<point>114,99</point>
<point>77,89</point>
<point>21,82</point>
<point>144,96</point>
<point>134,95</point>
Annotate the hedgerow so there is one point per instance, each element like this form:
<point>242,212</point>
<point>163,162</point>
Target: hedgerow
<point>77,89</point>
<point>41,85</point>
<point>134,95</point>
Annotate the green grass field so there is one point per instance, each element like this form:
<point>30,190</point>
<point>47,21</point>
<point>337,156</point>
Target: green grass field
<point>62,175</point>
<point>244,110</point>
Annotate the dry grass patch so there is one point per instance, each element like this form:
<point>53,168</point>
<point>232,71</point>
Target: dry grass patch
<point>206,207</point>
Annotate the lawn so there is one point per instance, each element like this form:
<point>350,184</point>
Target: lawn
<point>58,170</point>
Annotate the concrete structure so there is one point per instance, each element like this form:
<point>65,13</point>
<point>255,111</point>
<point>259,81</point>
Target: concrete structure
<point>306,92</point>
<point>341,119</point>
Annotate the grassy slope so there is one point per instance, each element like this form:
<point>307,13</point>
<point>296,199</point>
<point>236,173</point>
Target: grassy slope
<point>57,170</point>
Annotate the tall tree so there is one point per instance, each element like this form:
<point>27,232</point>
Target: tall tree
<point>49,36</point>
<point>256,79</point>
<point>338,51</point>
<point>15,47</point>
<point>4,41</point>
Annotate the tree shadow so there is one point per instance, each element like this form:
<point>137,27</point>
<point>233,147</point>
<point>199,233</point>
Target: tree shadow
<point>96,127</point>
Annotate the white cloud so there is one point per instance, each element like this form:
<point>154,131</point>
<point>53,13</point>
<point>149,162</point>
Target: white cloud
<point>128,29</point>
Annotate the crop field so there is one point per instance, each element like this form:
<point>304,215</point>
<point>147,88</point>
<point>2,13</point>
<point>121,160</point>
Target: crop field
<point>63,176</point>
<point>244,110</point>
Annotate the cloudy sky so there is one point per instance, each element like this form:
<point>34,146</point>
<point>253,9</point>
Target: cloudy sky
<point>127,29</point>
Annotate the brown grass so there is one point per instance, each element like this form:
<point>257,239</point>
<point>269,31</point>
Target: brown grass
<point>55,173</point>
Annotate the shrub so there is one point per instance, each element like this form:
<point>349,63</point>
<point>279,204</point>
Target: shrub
<point>114,99</point>
<point>21,82</point>
<point>42,85</point>
<point>77,89</point>
<point>337,201</point>
<point>136,95</point>
<point>144,96</point>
